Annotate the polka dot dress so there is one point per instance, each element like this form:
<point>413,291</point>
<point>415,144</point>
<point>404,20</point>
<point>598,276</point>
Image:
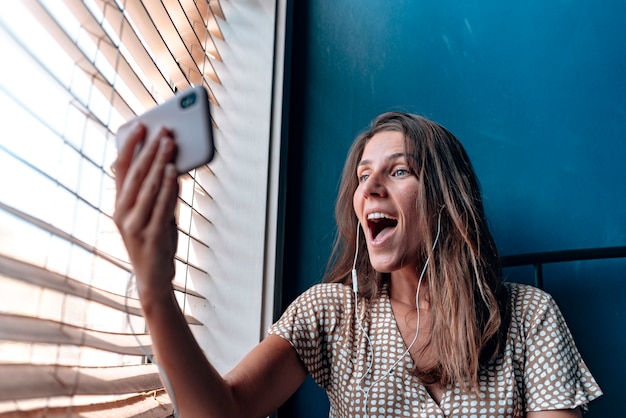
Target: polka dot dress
<point>362,365</point>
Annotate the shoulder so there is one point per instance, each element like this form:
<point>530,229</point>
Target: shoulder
<point>327,294</point>
<point>319,310</point>
<point>528,300</point>
<point>548,367</point>
<point>328,289</point>
<point>323,299</point>
<point>534,310</point>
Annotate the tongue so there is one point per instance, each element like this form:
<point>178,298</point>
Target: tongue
<point>383,233</point>
<point>382,230</point>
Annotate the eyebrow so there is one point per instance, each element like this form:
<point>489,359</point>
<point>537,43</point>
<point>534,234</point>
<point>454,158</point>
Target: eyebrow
<point>387,158</point>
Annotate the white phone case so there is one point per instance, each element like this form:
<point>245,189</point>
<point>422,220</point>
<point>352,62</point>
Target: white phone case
<point>187,115</point>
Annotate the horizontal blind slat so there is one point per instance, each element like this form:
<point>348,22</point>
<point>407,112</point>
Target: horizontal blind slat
<point>41,277</point>
<point>200,15</point>
<point>165,43</point>
<point>132,43</point>
<point>154,404</point>
<point>170,33</point>
<point>146,26</point>
<point>65,235</point>
<point>80,59</point>
<point>26,381</point>
<point>21,328</point>
<point>194,44</point>
<point>216,9</point>
<point>110,51</point>
<point>94,250</point>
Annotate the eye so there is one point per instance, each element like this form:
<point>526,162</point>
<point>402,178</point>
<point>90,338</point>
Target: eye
<point>401,172</point>
<point>362,174</point>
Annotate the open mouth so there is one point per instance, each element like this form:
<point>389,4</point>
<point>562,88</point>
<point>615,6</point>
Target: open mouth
<point>377,222</point>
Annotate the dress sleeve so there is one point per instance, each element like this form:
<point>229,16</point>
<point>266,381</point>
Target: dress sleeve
<point>555,375</point>
<point>311,324</point>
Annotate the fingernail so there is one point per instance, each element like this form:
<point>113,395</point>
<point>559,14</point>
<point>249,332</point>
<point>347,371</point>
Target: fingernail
<point>163,131</point>
<point>170,170</point>
<point>135,126</point>
<point>166,144</point>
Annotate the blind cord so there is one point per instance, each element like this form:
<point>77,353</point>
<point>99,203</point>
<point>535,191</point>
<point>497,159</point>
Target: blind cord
<point>150,357</point>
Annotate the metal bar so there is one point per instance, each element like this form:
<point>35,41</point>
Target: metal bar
<point>561,256</point>
<point>539,275</point>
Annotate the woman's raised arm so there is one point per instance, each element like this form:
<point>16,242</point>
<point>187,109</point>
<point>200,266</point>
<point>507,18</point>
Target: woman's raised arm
<point>147,190</point>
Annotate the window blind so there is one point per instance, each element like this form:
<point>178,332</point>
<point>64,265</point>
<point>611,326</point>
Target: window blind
<point>72,339</point>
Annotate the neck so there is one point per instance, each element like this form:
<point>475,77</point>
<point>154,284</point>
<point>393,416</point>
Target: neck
<point>403,288</point>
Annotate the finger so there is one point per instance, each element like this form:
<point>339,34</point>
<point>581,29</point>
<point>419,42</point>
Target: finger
<point>138,170</point>
<point>167,198</point>
<point>135,137</point>
<point>153,182</point>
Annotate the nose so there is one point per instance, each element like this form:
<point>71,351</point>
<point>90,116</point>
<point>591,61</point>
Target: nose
<point>374,186</point>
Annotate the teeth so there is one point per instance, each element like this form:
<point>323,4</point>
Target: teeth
<point>379,221</point>
<point>378,215</point>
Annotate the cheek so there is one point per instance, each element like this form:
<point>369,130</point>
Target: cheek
<point>410,205</point>
<point>357,202</point>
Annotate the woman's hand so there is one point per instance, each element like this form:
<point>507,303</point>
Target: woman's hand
<point>147,191</point>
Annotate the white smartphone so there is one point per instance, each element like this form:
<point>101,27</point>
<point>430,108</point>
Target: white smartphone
<point>187,116</point>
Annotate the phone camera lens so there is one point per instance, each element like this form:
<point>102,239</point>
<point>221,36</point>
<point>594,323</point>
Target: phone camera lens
<point>188,100</point>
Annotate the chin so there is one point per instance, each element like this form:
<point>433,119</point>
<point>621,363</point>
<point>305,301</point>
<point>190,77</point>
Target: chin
<point>384,267</point>
<point>391,266</point>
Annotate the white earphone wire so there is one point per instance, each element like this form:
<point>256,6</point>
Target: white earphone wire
<point>366,391</point>
<point>150,357</point>
<point>355,289</point>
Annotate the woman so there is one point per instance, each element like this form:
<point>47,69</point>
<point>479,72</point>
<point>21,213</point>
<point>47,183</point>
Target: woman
<point>414,319</point>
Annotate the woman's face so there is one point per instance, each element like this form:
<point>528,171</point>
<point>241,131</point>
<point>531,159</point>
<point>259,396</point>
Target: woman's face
<point>385,204</point>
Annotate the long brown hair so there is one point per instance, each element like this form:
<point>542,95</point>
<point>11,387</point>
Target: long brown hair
<point>466,293</point>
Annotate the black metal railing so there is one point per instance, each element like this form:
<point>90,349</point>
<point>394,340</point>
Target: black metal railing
<point>537,260</point>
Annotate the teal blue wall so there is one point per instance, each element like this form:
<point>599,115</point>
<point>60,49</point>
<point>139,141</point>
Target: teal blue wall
<point>535,89</point>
